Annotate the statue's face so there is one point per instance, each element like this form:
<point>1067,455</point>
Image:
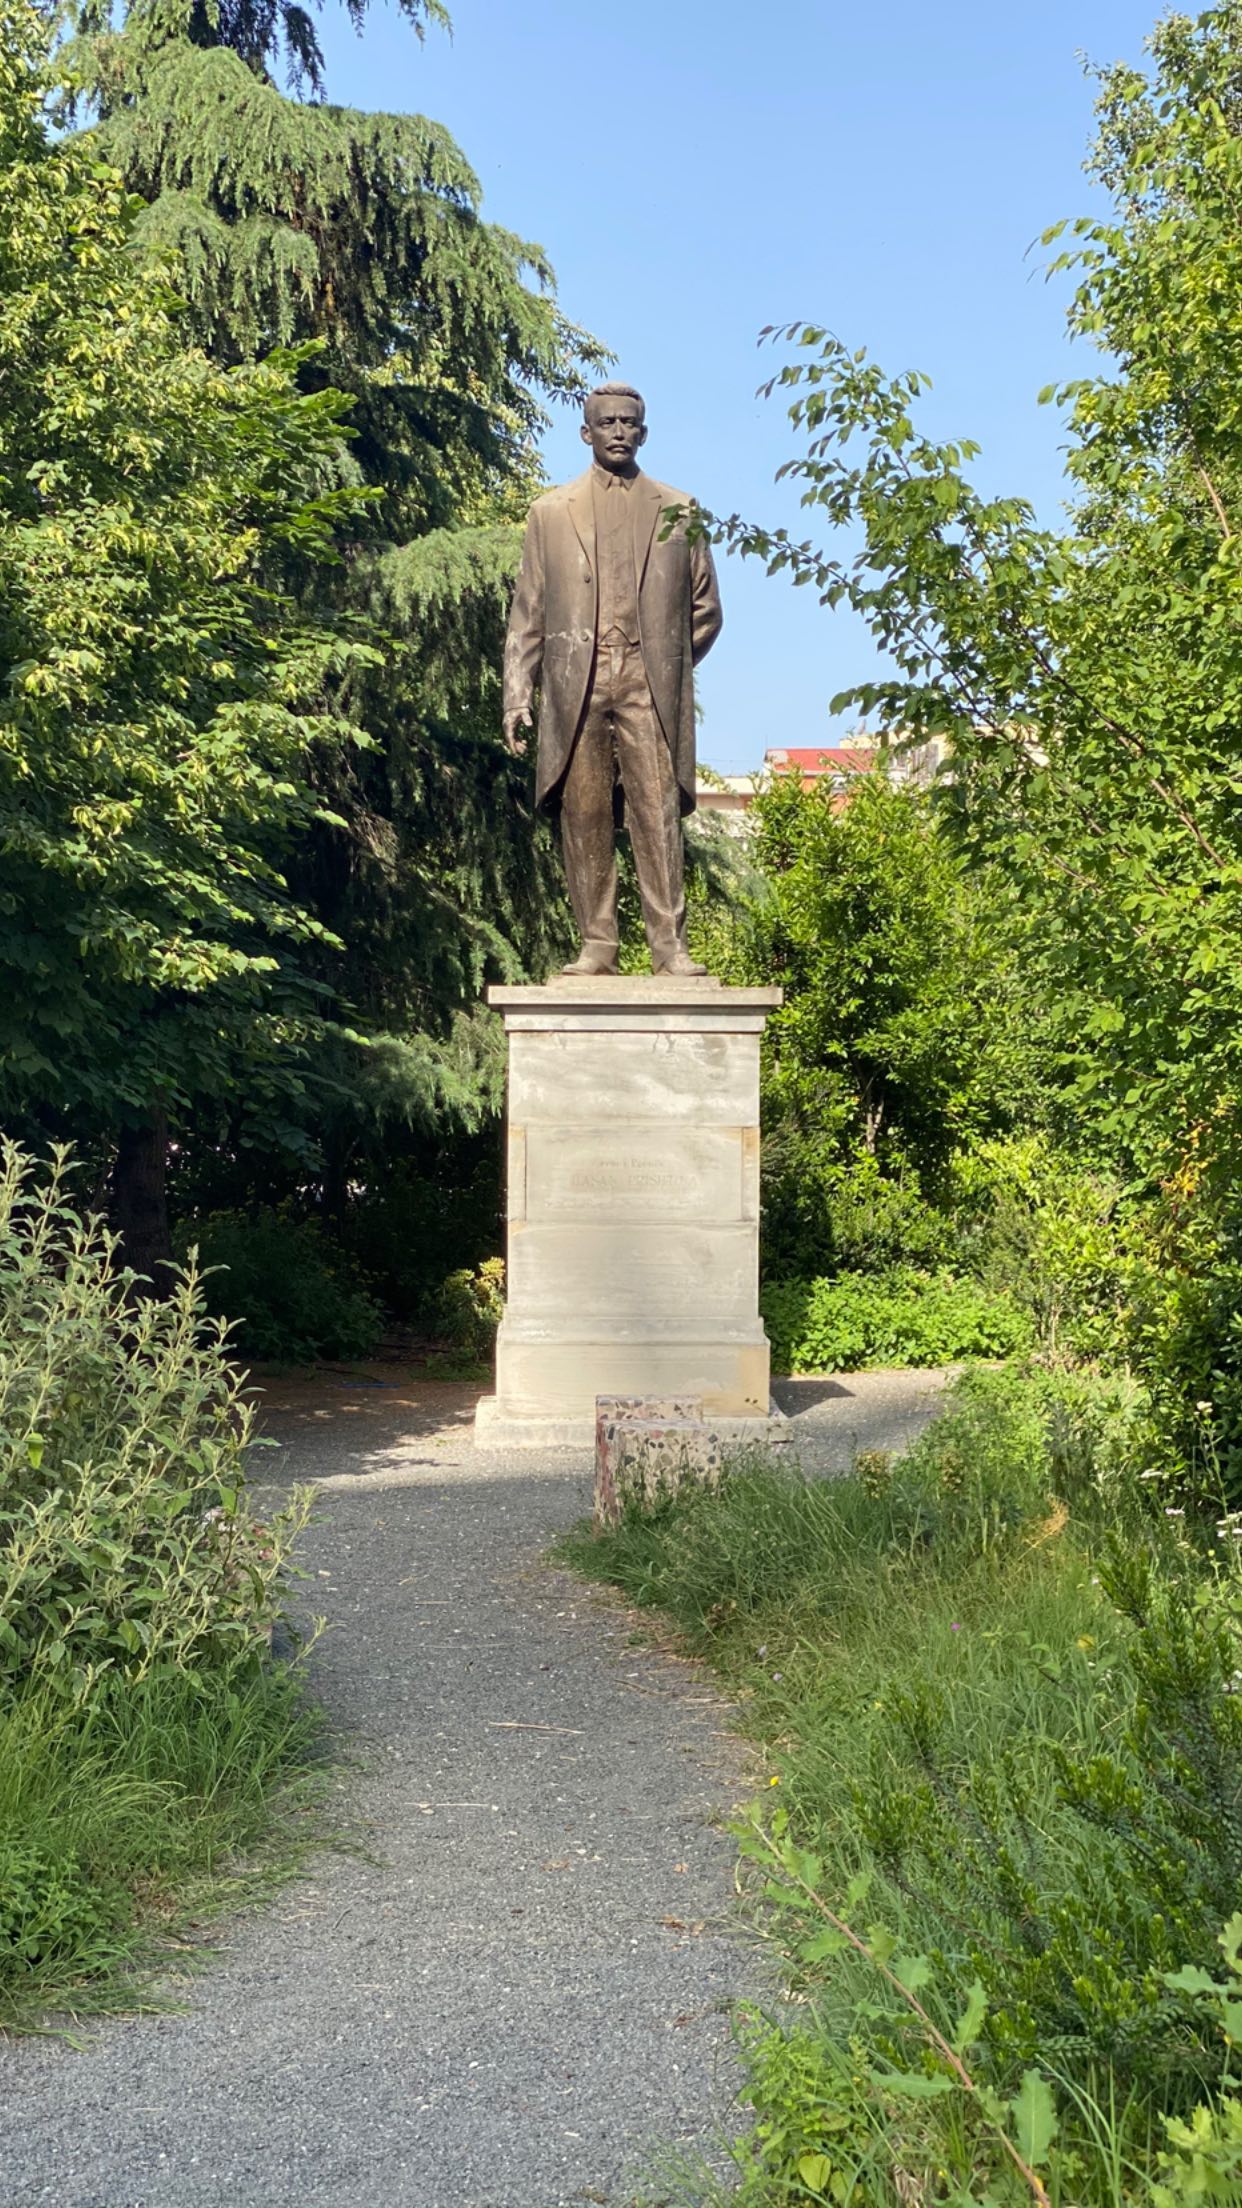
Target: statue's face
<point>614,429</point>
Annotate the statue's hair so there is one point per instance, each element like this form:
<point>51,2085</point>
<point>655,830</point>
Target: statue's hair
<point>615,391</point>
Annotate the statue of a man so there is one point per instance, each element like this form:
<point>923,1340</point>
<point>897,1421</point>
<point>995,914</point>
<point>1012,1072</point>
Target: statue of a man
<point>610,617</point>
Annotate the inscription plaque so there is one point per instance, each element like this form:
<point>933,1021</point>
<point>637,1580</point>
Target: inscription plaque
<point>692,1174</point>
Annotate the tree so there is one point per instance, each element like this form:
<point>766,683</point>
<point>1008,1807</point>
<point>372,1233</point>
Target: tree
<point>905,1033</point>
<point>288,219</point>
<point>162,692</point>
<point>1089,679</point>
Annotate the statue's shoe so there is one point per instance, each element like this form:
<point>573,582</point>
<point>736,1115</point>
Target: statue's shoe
<point>680,964</point>
<point>592,962</point>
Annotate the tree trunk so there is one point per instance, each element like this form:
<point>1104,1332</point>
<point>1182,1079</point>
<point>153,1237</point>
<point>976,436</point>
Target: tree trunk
<point>139,1206</point>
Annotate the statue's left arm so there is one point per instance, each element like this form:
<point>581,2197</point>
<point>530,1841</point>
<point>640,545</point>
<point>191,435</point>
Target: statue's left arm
<point>706,617</point>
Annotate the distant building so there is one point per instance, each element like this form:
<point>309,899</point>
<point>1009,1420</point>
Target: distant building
<point>728,796</point>
<point>731,796</point>
<point>836,764</point>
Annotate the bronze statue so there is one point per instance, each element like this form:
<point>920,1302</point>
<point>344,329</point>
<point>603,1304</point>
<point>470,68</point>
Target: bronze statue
<point>610,616</point>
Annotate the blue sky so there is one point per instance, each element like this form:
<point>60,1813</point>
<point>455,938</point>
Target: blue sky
<point>697,169</point>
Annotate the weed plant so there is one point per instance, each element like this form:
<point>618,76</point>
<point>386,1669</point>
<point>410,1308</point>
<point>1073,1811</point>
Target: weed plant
<point>993,1684</point>
<point>125,1821</point>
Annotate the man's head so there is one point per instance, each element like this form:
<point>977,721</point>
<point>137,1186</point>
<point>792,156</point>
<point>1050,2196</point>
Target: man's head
<point>615,426</point>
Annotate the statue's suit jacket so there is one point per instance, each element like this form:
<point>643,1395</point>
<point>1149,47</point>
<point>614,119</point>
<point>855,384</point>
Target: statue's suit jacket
<point>555,617</point>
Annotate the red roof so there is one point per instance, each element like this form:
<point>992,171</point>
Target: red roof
<point>824,758</point>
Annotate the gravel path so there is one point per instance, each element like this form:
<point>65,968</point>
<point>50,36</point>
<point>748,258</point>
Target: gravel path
<point>527,1987</point>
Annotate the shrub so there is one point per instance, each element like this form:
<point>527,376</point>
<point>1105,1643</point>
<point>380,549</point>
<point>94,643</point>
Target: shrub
<point>125,1538</point>
<point>470,1307</point>
<point>289,1294</point>
<point>1075,1905</point>
<point>438,1206</point>
<point>1185,1338</point>
<point>1050,1230</point>
<point>897,1318</point>
<point>830,1208</point>
<point>145,1732</point>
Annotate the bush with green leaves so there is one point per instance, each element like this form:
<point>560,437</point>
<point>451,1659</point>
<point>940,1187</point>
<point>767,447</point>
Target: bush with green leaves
<point>469,1309</point>
<point>146,1732</point>
<point>126,1541</point>
<point>906,1031</point>
<point>900,1317</point>
<point>288,1294</point>
<point>1075,1907</point>
<point>437,1207</point>
<point>1053,1231</point>
<point>1184,1333</point>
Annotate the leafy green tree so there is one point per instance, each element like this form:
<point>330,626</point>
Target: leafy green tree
<point>905,1033</point>
<point>161,693</point>
<point>288,218</point>
<point>1088,680</point>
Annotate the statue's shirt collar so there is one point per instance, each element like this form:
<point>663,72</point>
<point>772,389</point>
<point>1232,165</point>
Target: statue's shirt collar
<point>606,479</point>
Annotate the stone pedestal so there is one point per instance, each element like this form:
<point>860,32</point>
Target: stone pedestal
<point>633,1205</point>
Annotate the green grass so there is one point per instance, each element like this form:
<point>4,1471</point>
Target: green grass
<point>826,1609</point>
<point>125,1823</point>
<point>930,1632</point>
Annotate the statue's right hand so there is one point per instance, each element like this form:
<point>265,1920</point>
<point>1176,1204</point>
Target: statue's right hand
<point>516,724</point>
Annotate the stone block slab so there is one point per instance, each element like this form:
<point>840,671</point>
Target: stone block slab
<point>604,1080</point>
<point>632,1271</point>
<point>633,1205</point>
<point>632,1003</point>
<point>550,1378</point>
<point>641,1461</point>
<point>640,1410</point>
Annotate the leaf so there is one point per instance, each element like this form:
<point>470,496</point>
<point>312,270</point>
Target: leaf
<point>1231,1941</point>
<point>970,2023</point>
<point>1035,2118</point>
<point>882,1942</point>
<point>915,2085</point>
<point>1190,1979</point>
<point>787,1897</point>
<point>857,1891</point>
<point>911,1971</point>
<point>823,1945</point>
<point>815,2171</point>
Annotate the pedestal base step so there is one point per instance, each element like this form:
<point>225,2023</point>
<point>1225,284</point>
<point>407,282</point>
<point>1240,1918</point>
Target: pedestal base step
<point>495,1428</point>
